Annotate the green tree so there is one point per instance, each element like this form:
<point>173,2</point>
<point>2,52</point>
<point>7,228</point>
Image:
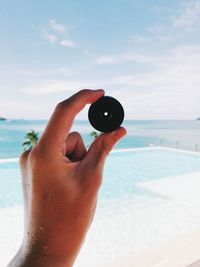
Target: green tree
<point>31,139</point>
<point>94,134</point>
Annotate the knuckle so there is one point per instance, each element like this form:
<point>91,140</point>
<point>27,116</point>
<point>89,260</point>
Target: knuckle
<point>79,95</point>
<point>24,156</point>
<point>64,105</point>
<point>34,155</point>
<point>59,106</point>
<point>75,134</point>
<point>69,101</point>
<point>84,91</point>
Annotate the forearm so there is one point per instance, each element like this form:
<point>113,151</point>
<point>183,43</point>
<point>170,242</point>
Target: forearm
<point>33,259</point>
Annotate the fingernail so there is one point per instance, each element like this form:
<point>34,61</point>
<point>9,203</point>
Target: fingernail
<point>120,132</point>
<point>100,90</point>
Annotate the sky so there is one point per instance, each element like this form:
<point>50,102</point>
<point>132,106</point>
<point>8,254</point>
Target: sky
<point>144,53</point>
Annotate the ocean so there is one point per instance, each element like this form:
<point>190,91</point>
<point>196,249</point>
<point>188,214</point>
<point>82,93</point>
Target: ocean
<point>141,133</point>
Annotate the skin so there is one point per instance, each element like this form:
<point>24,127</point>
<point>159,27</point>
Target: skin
<point>61,180</point>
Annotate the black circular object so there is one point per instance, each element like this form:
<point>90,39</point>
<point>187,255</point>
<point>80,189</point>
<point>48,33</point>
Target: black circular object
<point>106,114</point>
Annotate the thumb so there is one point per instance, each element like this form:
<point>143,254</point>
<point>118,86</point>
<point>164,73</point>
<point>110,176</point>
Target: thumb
<point>101,147</point>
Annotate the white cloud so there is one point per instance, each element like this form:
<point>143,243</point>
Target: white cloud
<point>145,39</point>
<point>38,73</point>
<point>189,17</point>
<point>105,60</point>
<point>119,58</point>
<point>57,34</point>
<point>169,91</point>
<point>179,67</point>
<point>68,43</point>
<point>51,86</point>
<point>57,27</point>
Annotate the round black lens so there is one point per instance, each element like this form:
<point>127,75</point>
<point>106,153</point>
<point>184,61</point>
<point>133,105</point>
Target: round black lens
<point>106,114</point>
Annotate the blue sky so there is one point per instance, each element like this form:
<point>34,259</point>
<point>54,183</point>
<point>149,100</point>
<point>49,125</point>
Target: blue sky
<point>144,53</point>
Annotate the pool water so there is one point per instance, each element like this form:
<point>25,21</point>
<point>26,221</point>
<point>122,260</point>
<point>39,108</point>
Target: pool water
<point>123,171</point>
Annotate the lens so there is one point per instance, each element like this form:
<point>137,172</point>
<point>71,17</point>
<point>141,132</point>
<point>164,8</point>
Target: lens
<point>106,114</point>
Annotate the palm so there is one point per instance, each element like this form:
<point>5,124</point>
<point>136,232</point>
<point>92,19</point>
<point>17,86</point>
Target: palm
<point>31,139</point>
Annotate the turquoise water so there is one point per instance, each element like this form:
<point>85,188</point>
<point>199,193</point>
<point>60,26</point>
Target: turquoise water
<point>123,171</point>
<point>140,134</point>
<point>10,181</point>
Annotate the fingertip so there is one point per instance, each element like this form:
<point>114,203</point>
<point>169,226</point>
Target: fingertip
<point>95,95</point>
<point>124,130</point>
<point>100,91</point>
<point>120,132</point>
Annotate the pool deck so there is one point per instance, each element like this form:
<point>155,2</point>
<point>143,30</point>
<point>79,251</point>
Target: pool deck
<point>184,250</point>
<point>165,233</point>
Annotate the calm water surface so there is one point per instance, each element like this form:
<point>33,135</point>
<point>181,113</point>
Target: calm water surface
<point>183,134</point>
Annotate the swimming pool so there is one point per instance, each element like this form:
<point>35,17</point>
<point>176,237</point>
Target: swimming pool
<point>137,209</point>
<point>123,171</point>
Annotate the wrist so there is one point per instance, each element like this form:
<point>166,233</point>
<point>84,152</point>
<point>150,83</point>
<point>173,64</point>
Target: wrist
<point>31,258</point>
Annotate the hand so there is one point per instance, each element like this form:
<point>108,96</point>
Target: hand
<point>60,181</point>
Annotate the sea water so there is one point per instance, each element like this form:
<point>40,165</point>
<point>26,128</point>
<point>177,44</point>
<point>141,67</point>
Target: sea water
<point>177,134</point>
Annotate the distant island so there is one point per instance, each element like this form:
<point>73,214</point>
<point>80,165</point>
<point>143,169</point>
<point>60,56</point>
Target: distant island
<point>2,119</point>
<point>198,119</point>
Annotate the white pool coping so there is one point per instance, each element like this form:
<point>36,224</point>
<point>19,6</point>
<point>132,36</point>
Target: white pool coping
<point>155,148</point>
<point>9,160</point>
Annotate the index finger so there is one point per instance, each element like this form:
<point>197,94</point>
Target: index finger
<point>63,116</point>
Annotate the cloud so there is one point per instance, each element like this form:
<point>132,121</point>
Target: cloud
<point>189,17</point>
<point>125,57</point>
<point>170,90</point>
<point>57,27</point>
<point>105,60</point>
<point>57,34</point>
<point>51,86</point>
<point>68,43</point>
<point>179,67</point>
<point>42,73</point>
<point>145,39</point>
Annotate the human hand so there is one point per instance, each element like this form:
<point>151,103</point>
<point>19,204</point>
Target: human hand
<point>61,180</point>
